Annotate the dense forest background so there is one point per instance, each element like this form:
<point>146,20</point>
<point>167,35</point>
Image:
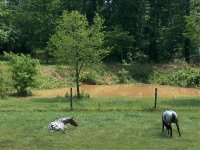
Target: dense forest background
<point>135,30</point>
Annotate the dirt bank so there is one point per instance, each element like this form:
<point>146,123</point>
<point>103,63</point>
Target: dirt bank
<point>130,90</point>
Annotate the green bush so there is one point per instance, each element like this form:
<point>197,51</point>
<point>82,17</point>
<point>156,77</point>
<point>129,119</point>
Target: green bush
<point>124,76</point>
<point>24,72</point>
<point>91,77</point>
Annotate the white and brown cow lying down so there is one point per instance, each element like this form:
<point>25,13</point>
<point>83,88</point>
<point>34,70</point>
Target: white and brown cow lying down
<point>61,124</point>
<point>169,117</point>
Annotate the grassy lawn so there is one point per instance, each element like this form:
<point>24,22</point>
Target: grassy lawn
<point>104,124</point>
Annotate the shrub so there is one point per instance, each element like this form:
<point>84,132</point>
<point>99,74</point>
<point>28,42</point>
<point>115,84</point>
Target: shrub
<point>124,76</point>
<point>24,72</point>
<point>91,77</point>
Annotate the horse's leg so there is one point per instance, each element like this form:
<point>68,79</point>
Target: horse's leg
<point>167,127</point>
<point>162,125</point>
<point>178,128</point>
<point>168,131</point>
<point>170,128</point>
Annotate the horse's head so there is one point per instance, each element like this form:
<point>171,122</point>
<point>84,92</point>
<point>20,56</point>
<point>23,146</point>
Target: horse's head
<point>71,121</point>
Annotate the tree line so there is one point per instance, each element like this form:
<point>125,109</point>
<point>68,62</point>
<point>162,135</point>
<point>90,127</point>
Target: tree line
<point>135,30</point>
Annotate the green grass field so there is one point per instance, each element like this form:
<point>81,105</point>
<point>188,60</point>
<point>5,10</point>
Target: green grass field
<point>104,124</point>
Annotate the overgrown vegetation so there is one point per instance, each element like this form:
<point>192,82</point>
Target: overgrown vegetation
<point>54,77</point>
<point>51,76</point>
<point>124,76</point>
<point>110,123</point>
<point>91,77</point>
<point>24,72</point>
<point>181,74</point>
<point>185,77</point>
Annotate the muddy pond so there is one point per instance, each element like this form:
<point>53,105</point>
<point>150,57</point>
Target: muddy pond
<point>124,90</point>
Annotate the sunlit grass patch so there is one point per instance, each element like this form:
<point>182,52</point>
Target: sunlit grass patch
<point>104,123</point>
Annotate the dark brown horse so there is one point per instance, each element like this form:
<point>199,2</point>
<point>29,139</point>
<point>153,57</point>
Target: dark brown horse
<point>70,121</point>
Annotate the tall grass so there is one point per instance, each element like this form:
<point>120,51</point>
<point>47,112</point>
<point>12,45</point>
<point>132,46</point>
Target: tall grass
<point>184,77</point>
<point>104,123</point>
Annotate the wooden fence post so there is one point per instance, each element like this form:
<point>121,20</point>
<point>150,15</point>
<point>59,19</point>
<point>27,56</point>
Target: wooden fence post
<point>71,99</point>
<point>156,95</point>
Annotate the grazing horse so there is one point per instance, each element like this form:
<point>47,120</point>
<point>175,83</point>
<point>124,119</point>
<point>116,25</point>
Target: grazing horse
<point>60,124</point>
<point>169,117</point>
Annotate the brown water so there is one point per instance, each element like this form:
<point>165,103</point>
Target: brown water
<point>130,90</point>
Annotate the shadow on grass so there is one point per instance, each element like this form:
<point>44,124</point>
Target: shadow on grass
<point>54,100</point>
<point>164,135</point>
<point>184,102</point>
<point>152,109</point>
<point>50,100</point>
